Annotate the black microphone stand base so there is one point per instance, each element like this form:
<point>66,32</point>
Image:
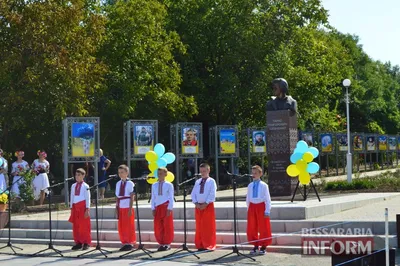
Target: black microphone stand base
<point>98,247</point>
<point>235,250</point>
<point>140,247</point>
<point>11,246</point>
<point>50,247</point>
<point>184,248</point>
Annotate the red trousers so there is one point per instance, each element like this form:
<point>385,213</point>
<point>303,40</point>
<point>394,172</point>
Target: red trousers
<point>163,225</point>
<point>258,226</point>
<point>81,228</point>
<point>206,236</point>
<point>126,226</point>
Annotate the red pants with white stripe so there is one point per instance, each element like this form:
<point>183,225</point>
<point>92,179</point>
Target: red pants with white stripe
<point>163,225</point>
<point>81,228</point>
<point>206,236</point>
<point>126,226</point>
<point>258,226</point>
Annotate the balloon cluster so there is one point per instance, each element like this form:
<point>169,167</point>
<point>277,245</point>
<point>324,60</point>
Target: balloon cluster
<point>302,162</point>
<point>158,158</point>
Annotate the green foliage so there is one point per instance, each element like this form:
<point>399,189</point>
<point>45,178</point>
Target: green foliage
<point>48,67</point>
<point>26,189</point>
<point>180,60</point>
<point>386,181</point>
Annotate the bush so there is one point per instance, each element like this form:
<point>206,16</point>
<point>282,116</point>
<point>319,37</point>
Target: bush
<point>386,181</point>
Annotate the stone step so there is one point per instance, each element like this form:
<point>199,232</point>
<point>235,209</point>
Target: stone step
<point>149,245</point>
<point>298,210</point>
<point>278,226</point>
<point>148,236</point>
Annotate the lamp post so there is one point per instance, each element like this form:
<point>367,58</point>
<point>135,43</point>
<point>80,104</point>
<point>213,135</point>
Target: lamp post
<point>346,84</point>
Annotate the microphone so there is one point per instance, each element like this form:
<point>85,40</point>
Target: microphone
<point>112,176</point>
<point>70,178</point>
<point>143,178</point>
<point>247,175</point>
<point>197,175</point>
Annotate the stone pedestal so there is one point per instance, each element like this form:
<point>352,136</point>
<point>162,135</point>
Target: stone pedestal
<point>282,138</point>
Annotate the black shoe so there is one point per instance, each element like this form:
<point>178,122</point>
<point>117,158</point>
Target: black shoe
<point>161,248</point>
<point>77,247</point>
<point>263,251</point>
<point>167,247</point>
<point>201,249</point>
<point>126,247</point>
<point>85,247</point>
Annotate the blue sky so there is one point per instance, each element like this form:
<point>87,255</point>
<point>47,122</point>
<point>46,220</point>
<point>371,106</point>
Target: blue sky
<point>375,22</point>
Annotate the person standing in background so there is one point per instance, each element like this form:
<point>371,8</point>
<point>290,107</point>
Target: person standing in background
<point>3,172</point>
<point>103,166</point>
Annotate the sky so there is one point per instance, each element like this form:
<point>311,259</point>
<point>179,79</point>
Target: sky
<point>375,22</point>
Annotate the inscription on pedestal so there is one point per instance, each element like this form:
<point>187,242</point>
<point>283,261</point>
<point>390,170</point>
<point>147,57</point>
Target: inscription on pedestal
<point>282,139</point>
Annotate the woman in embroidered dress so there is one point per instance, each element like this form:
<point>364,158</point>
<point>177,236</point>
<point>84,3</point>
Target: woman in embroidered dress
<point>41,166</point>
<point>18,167</point>
<point>3,172</point>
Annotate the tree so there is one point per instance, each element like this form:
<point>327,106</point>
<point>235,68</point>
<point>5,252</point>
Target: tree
<point>143,81</point>
<point>48,68</point>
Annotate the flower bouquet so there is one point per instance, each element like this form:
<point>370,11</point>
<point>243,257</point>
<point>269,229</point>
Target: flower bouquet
<point>3,201</point>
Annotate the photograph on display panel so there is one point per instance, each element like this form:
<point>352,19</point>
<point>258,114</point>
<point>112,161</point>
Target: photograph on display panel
<point>190,140</point>
<point>382,140</point>
<point>341,140</point>
<point>371,143</point>
<point>358,144</point>
<point>326,143</point>
<point>392,143</point>
<point>143,136</point>
<point>307,137</point>
<point>259,142</point>
<point>227,141</point>
<point>82,139</point>
<point>398,143</point>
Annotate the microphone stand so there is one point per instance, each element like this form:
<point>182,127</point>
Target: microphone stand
<point>140,246</point>
<point>235,249</point>
<point>98,247</point>
<point>184,245</point>
<point>9,244</point>
<point>50,247</point>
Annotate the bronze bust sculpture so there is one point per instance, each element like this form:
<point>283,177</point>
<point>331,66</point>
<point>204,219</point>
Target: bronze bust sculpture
<point>281,101</point>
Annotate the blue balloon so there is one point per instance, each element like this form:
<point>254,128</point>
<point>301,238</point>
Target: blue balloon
<point>302,146</point>
<point>159,149</point>
<point>169,157</point>
<point>1,161</point>
<point>312,168</point>
<point>162,162</point>
<point>297,151</point>
<point>295,157</point>
<point>155,173</point>
<point>314,151</point>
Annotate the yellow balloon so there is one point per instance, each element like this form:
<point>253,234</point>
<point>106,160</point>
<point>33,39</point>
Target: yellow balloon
<point>170,177</point>
<point>292,170</point>
<point>151,156</point>
<point>151,180</point>
<point>301,165</point>
<point>153,166</point>
<point>308,157</point>
<point>304,178</point>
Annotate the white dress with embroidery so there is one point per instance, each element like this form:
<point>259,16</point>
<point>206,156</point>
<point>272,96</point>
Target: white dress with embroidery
<point>3,180</point>
<point>41,181</point>
<point>18,180</point>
